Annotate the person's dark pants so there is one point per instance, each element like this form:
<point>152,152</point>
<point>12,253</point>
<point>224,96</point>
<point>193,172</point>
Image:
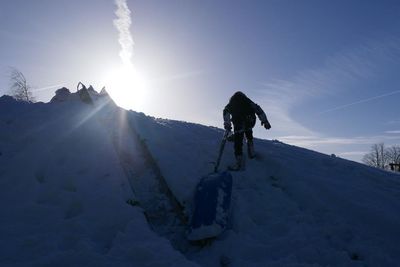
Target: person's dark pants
<point>241,129</point>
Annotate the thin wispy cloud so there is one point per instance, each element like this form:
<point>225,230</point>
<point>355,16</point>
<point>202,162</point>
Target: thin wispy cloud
<point>123,24</point>
<point>284,96</point>
<point>340,146</point>
<point>312,141</point>
<point>339,73</point>
<point>393,132</point>
<point>352,153</point>
<point>336,74</point>
<point>315,141</point>
<point>180,76</point>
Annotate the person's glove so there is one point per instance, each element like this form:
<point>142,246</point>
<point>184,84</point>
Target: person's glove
<point>266,125</point>
<point>227,126</point>
<point>231,137</point>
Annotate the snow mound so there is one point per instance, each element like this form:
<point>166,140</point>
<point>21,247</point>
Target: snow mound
<point>62,94</point>
<point>68,197</point>
<point>63,196</point>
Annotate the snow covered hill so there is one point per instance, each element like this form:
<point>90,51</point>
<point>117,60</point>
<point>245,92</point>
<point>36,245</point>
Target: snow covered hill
<point>94,185</point>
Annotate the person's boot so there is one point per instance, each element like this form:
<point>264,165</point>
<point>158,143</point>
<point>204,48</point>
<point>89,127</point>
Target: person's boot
<point>250,149</point>
<point>239,165</point>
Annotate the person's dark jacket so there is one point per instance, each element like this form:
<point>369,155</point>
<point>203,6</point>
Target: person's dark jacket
<point>241,111</point>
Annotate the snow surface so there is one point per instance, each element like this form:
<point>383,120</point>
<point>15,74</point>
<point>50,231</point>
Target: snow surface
<point>64,187</point>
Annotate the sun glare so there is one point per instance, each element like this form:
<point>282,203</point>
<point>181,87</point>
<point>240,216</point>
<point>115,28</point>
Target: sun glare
<point>127,87</point>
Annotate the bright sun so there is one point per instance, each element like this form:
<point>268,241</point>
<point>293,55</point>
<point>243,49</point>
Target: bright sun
<point>127,88</point>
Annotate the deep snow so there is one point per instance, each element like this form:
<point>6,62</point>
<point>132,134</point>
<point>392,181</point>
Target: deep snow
<point>68,169</point>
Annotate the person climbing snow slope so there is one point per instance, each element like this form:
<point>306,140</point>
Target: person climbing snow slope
<point>240,111</point>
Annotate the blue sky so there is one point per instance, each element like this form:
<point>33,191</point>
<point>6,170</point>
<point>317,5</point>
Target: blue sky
<point>325,72</point>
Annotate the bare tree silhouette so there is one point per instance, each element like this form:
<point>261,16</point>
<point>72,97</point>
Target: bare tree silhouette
<point>19,87</point>
<point>377,157</point>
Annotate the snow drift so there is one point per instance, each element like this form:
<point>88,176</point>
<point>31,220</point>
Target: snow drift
<point>95,185</point>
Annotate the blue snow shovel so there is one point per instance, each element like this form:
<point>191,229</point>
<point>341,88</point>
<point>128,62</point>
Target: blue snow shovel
<point>211,203</point>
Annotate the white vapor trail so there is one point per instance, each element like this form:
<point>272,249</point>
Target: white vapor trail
<point>360,101</point>
<point>49,87</point>
<point>123,23</point>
